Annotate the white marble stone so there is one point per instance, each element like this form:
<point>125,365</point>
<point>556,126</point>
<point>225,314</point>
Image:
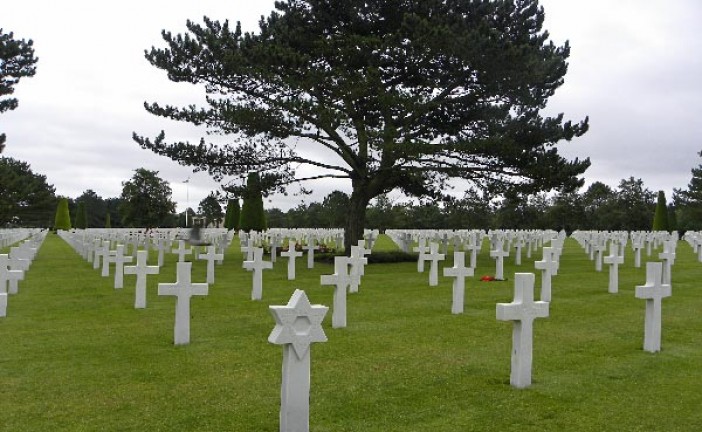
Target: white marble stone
<point>292,255</point>
<point>434,257</point>
<point>211,257</point>
<point>9,277</point>
<point>181,251</point>
<point>341,281</point>
<point>119,259</point>
<point>459,272</point>
<point>653,292</point>
<point>141,270</point>
<point>298,325</point>
<point>668,259</point>
<point>549,267</point>
<point>522,312</point>
<point>499,254</point>
<point>422,249</point>
<point>614,260</point>
<point>257,265</point>
<point>182,289</point>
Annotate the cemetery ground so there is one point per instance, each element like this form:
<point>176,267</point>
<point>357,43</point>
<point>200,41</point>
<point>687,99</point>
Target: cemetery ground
<point>76,356</point>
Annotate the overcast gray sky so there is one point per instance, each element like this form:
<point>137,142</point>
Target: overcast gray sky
<point>635,69</point>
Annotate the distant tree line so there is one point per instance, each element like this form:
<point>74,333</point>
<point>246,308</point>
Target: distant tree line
<point>630,206</point>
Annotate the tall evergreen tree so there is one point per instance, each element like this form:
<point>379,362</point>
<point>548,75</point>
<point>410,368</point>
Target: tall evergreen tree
<point>253,217</point>
<point>108,221</point>
<point>688,202</point>
<point>660,218</point>
<point>404,95</point>
<point>81,221</point>
<point>62,221</point>
<point>16,61</point>
<point>231,219</point>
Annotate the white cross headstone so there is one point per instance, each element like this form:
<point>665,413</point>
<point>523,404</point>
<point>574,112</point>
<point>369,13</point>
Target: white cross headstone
<point>102,249</point>
<point>668,258</point>
<point>357,261</point>
<point>499,254</point>
<point>297,326</point>
<point>459,272</point>
<point>106,259</point>
<point>422,248</point>
<point>211,256</point>
<point>549,267</point>
<point>183,289</point>
<point>434,256</point>
<point>292,254</point>
<point>257,265</point>
<point>119,259</point>
<point>653,292</point>
<point>7,276</point>
<point>311,247</point>
<point>182,251</point>
<point>522,311</point>
<point>341,280</point>
<point>614,260</point>
<point>141,270</point>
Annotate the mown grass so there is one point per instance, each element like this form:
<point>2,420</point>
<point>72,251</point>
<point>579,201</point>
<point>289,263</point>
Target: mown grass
<point>76,356</point>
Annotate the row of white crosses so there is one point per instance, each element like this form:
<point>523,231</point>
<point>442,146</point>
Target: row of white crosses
<point>183,289</point>
<point>14,265</point>
<point>658,274</point>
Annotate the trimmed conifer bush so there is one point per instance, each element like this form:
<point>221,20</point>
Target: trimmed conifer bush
<point>63,216</point>
<point>660,218</point>
<point>253,217</point>
<point>81,216</point>
<point>231,217</point>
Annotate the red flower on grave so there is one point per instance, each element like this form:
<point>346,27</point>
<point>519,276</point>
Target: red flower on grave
<point>487,278</point>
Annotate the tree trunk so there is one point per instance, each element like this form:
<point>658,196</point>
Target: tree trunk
<point>356,217</point>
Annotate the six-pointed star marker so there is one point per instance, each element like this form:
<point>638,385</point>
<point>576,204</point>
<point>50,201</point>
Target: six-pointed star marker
<point>298,323</point>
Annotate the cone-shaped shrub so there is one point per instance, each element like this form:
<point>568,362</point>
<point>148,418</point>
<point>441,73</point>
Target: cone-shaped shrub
<point>253,218</point>
<point>63,216</point>
<point>660,218</point>
<point>81,216</point>
<point>231,217</point>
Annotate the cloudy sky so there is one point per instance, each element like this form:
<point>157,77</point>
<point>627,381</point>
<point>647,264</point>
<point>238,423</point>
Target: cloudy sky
<point>635,69</point>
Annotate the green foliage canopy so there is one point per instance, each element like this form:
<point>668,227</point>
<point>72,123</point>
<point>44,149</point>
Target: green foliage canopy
<point>26,199</point>
<point>211,209</point>
<point>145,200</point>
<point>62,221</point>
<point>16,61</point>
<point>400,94</point>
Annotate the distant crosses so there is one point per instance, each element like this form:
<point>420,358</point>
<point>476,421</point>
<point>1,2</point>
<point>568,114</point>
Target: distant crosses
<point>297,326</point>
<point>653,292</point>
<point>183,289</point>
<point>357,261</point>
<point>211,256</point>
<point>292,254</point>
<point>549,267</point>
<point>459,272</point>
<point>257,265</point>
<point>522,311</point>
<point>99,252</point>
<point>614,260</point>
<point>341,280</point>
<point>473,246</point>
<point>141,270</point>
<point>598,249</point>
<point>106,259</point>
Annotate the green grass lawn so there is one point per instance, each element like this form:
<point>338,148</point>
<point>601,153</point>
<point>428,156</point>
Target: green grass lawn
<point>76,356</point>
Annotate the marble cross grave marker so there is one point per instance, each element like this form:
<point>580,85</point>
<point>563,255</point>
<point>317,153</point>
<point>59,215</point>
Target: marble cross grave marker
<point>297,325</point>
<point>257,265</point>
<point>434,256</point>
<point>182,251</point>
<point>613,260</point>
<point>119,259</point>
<point>141,270</point>
<point>183,289</point>
<point>211,256</point>
<point>549,267</point>
<point>341,280</point>
<point>653,292</point>
<point>499,254</point>
<point>522,311</point>
<point>292,254</point>
<point>8,276</point>
<point>459,272</point>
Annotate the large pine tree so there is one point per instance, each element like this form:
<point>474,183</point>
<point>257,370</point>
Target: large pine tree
<point>388,94</point>
<point>688,203</point>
